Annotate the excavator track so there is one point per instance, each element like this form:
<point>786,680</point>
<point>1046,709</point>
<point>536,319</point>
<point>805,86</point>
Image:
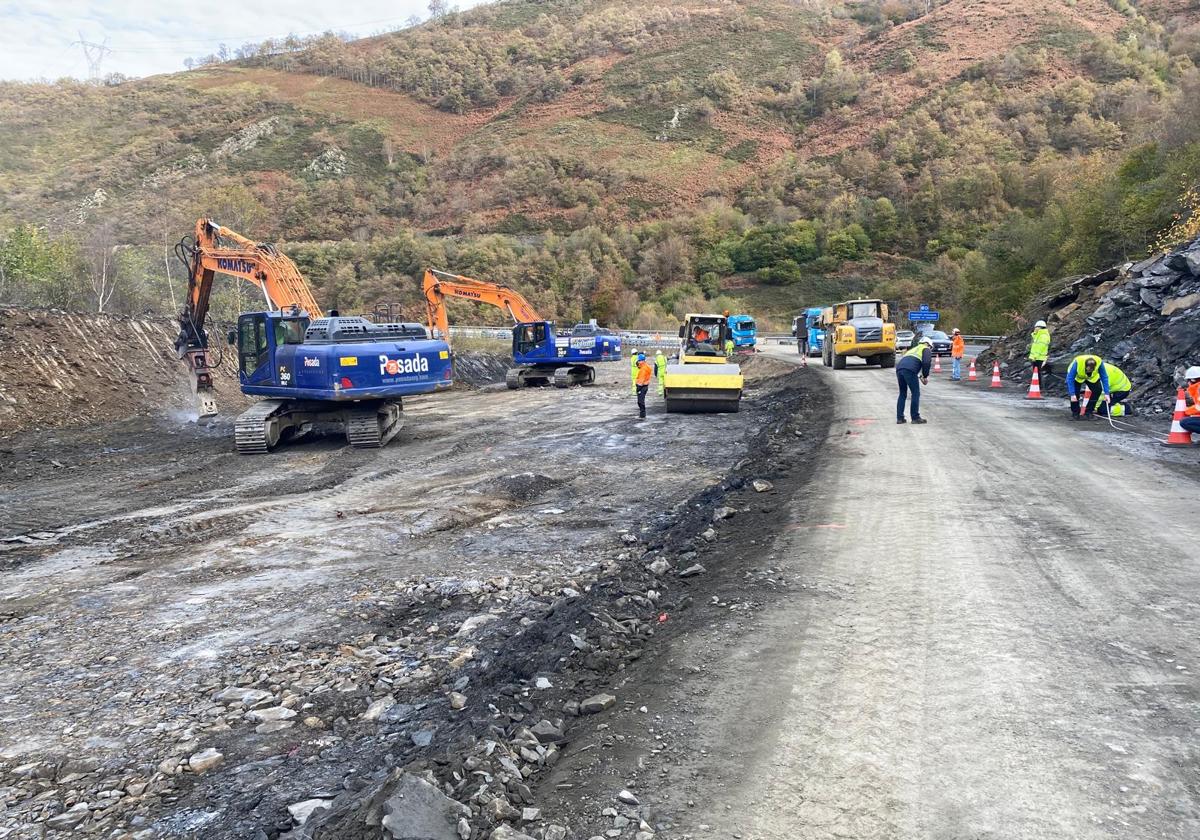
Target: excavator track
<point>564,377</point>
<point>256,430</point>
<point>373,427</point>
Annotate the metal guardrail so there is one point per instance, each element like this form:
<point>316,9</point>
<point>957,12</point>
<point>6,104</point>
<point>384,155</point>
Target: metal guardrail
<point>646,338</point>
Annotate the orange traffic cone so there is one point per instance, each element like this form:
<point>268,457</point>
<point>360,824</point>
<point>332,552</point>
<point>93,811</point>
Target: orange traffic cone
<point>1179,436</point>
<point>971,375</point>
<point>1035,387</point>
<point>937,364</point>
<point>996,383</point>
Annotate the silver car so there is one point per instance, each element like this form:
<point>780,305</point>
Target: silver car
<point>904,339</point>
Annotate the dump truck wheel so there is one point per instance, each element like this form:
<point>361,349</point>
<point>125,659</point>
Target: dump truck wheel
<point>839,361</point>
<point>888,360</point>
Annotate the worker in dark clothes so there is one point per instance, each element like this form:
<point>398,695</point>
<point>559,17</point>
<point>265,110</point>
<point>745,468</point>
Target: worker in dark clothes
<point>912,371</point>
<point>644,374</point>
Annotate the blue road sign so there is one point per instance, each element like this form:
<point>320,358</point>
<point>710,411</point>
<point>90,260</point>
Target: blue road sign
<point>923,315</point>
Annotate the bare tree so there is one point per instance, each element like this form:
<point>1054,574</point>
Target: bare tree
<point>99,251</point>
<point>167,265</point>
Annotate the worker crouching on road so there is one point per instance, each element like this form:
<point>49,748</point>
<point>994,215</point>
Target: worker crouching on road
<point>958,349</point>
<point>1106,381</point>
<point>1191,414</point>
<point>633,370</point>
<point>912,371</point>
<point>642,382</point>
<point>660,370</point>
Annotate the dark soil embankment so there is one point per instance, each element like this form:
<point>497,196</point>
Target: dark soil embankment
<point>1144,317</point>
<point>478,368</point>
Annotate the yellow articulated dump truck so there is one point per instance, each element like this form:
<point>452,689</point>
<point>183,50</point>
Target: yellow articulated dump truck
<point>702,379</point>
<point>859,328</point>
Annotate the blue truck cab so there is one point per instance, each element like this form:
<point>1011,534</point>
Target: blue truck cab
<point>743,332</point>
<point>337,359</point>
<point>808,325</point>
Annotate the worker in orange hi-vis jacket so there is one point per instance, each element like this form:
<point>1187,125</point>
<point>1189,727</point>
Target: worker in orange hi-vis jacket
<point>1191,414</point>
<point>958,349</point>
<point>644,374</point>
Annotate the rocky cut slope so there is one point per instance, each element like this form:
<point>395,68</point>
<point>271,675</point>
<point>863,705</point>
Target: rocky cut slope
<point>1144,316</point>
<point>63,369</point>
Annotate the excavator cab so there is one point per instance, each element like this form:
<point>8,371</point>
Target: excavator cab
<point>529,338</point>
<point>259,334</point>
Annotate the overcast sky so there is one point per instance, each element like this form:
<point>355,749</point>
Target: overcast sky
<point>155,36</point>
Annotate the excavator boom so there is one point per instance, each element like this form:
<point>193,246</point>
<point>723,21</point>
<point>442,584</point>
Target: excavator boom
<point>438,285</point>
<point>219,250</point>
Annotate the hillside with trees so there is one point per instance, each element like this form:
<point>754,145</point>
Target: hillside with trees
<point>629,161</point>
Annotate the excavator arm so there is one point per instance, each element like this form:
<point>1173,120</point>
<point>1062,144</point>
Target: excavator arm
<point>219,250</point>
<point>439,285</point>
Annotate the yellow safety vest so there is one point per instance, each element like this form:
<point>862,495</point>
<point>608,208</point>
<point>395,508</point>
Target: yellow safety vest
<point>1039,347</point>
<point>918,351</point>
<point>1081,374</point>
<point>1117,380</point>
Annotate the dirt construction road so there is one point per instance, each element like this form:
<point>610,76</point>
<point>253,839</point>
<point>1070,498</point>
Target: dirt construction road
<point>991,633</point>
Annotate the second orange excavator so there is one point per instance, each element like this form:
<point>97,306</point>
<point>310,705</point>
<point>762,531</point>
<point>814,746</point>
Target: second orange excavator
<point>541,355</point>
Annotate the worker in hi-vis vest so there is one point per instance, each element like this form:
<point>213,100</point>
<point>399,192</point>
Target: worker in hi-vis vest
<point>660,368</point>
<point>1105,380</point>
<point>633,364</point>
<point>912,371</point>
<point>1039,348</point>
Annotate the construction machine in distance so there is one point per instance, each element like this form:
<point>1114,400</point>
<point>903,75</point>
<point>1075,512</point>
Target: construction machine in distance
<point>809,325</point>
<point>743,332</point>
<point>702,379</point>
<point>859,328</point>
<point>540,354</point>
<point>311,369</point>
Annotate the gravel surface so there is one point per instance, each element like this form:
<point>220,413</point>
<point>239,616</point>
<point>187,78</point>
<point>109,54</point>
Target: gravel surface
<point>201,644</point>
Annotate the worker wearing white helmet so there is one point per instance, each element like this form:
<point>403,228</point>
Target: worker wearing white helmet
<point>912,371</point>
<point>1039,348</point>
<point>1191,418</point>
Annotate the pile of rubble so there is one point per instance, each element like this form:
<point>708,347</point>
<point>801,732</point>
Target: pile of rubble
<point>1144,317</point>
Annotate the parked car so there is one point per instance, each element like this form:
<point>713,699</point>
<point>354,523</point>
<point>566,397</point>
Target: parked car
<point>941,342</point>
<point>905,339</point>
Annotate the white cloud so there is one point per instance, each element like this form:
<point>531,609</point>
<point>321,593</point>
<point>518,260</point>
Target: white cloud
<point>155,36</point>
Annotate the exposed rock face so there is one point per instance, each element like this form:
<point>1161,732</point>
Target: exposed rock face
<point>1143,317</point>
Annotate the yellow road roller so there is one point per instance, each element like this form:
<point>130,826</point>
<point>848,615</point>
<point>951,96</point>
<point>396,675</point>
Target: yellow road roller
<point>702,379</point>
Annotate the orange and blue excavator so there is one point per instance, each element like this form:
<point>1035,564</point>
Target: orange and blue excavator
<point>311,369</point>
<point>540,354</point>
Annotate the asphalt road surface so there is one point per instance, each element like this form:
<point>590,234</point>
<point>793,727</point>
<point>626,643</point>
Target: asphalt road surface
<point>996,637</point>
